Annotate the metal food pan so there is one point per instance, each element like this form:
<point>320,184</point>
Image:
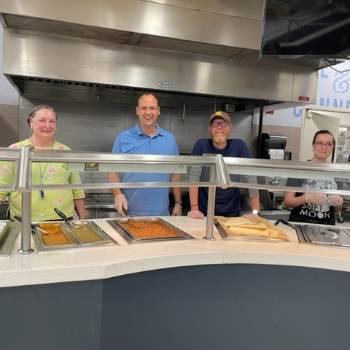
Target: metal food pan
<point>69,231</point>
<point>324,235</point>
<point>120,225</point>
<point>255,238</point>
<point>40,242</point>
<point>8,234</point>
<point>94,229</point>
<point>225,235</point>
<point>4,230</point>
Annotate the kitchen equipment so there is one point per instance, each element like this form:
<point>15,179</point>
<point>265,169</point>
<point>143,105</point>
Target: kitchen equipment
<point>249,228</point>
<point>89,233</point>
<point>60,235</point>
<point>53,234</point>
<point>98,210</point>
<point>272,146</point>
<point>324,235</point>
<point>4,230</point>
<point>147,229</point>
<point>8,234</point>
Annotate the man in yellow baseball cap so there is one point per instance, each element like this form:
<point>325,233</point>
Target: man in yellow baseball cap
<point>227,202</point>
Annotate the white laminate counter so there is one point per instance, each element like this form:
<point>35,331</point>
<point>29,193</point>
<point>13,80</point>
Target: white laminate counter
<point>93,263</point>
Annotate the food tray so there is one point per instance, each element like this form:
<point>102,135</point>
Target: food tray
<point>246,237</point>
<point>53,235</point>
<point>147,229</point>
<point>8,234</point>
<point>4,230</point>
<point>89,233</point>
<point>324,235</point>
<point>60,235</point>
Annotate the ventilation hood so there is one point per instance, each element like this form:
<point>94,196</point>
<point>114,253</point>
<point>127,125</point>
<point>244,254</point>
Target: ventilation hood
<point>208,47</point>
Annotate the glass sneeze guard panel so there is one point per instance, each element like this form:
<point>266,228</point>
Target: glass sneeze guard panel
<point>134,171</point>
<point>276,175</point>
<point>9,166</point>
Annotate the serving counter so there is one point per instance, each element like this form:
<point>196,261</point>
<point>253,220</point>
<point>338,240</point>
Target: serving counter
<point>177,294</point>
<point>181,294</point>
<point>98,262</point>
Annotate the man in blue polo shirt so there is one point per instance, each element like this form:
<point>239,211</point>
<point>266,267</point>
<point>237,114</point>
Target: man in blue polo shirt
<point>146,137</point>
<point>227,202</point>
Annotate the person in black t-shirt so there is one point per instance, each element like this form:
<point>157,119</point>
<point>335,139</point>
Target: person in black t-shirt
<point>315,207</point>
<point>227,201</point>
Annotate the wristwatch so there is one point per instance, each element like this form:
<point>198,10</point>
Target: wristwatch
<point>255,212</point>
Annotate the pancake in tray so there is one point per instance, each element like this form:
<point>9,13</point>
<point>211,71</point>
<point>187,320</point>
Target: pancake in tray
<point>252,227</point>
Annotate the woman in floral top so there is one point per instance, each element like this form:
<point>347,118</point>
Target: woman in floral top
<point>42,121</point>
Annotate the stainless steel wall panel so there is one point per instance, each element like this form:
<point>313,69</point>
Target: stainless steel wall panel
<point>190,128</point>
<point>197,21</point>
<point>83,127</point>
<point>56,57</point>
<point>304,85</point>
<point>248,9</point>
<point>93,126</point>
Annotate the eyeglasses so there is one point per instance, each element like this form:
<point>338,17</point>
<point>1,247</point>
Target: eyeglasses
<point>221,123</point>
<point>324,144</point>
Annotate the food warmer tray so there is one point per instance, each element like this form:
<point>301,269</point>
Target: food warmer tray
<point>9,231</point>
<point>61,235</point>
<point>224,235</point>
<point>139,230</point>
<point>324,235</point>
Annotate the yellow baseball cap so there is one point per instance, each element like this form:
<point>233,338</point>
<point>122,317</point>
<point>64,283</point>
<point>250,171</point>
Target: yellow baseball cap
<point>220,114</point>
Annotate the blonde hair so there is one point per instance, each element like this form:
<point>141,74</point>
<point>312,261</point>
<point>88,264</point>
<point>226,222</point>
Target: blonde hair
<point>38,108</point>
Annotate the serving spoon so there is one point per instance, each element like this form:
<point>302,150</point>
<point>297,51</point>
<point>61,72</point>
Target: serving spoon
<point>33,227</point>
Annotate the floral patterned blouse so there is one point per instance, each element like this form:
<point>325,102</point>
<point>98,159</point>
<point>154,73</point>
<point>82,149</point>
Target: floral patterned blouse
<point>43,201</point>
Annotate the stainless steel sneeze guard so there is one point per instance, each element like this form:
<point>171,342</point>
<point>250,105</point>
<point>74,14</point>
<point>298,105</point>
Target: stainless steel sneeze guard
<point>220,170</point>
<point>166,164</point>
<point>10,155</point>
<point>8,235</point>
<point>10,230</point>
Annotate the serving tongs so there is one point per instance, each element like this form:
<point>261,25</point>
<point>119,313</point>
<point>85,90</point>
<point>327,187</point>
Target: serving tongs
<point>285,223</point>
<point>66,219</point>
<point>32,226</point>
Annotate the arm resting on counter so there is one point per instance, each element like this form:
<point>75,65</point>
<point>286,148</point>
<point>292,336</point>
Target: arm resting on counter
<point>194,213</point>
<point>79,205</point>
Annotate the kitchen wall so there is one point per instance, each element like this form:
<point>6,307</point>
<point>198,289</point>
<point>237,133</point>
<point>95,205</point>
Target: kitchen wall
<point>285,118</point>
<point>8,106</point>
<point>93,126</point>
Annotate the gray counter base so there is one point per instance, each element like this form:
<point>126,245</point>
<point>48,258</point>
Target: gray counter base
<point>202,307</point>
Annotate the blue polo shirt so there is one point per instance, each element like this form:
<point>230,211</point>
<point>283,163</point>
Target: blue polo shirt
<point>227,202</point>
<point>146,201</point>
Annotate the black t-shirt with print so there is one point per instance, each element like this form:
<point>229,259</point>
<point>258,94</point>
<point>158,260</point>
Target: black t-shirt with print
<point>309,212</point>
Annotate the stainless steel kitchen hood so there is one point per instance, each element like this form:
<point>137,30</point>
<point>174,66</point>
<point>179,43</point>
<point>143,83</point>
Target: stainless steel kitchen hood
<point>200,47</point>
